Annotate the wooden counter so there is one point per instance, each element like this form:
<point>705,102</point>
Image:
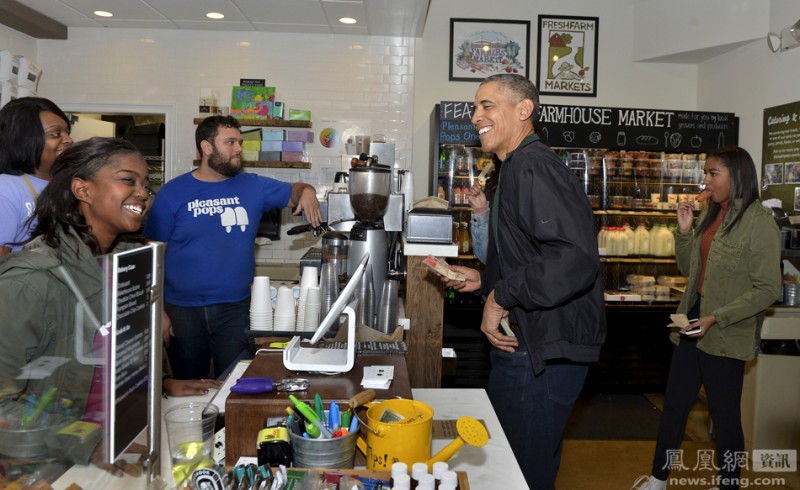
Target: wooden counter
<point>424,307</point>
<point>245,414</point>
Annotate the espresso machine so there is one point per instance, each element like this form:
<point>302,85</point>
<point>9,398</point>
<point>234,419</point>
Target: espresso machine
<point>369,190</point>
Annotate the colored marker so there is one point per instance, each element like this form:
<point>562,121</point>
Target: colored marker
<point>311,416</point>
<point>318,408</point>
<point>311,429</point>
<point>30,419</point>
<point>304,409</point>
<point>334,419</point>
<point>354,424</point>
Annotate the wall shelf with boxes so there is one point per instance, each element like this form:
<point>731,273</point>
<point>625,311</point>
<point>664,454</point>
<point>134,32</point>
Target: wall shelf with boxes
<point>275,156</point>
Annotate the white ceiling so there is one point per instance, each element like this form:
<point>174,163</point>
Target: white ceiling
<point>375,17</point>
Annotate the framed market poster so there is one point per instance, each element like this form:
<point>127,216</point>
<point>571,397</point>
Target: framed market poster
<point>567,55</point>
<point>480,48</point>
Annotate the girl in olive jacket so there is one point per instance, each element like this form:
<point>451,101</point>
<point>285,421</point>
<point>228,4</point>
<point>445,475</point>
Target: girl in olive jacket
<point>733,261</point>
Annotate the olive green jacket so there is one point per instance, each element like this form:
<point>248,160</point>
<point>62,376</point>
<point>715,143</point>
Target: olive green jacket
<point>743,278</point>
<point>42,317</point>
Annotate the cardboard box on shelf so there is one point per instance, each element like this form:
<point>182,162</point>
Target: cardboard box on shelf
<point>292,146</point>
<point>304,136</point>
<point>9,67</point>
<point>29,73</point>
<point>299,115</point>
<point>8,92</point>
<point>291,156</point>
<point>621,296</point>
<point>273,135</point>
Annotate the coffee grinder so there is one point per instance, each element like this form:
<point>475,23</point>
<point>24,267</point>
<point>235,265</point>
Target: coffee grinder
<point>369,197</point>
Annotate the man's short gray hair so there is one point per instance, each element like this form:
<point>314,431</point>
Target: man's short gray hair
<point>519,86</point>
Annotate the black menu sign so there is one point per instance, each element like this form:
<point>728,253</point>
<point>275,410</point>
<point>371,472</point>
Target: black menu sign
<point>132,279</point>
<point>608,127</point>
<point>638,129</point>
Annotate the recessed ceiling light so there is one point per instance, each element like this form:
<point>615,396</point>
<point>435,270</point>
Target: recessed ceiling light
<point>245,43</point>
<point>347,20</point>
<point>215,15</point>
<point>103,13</point>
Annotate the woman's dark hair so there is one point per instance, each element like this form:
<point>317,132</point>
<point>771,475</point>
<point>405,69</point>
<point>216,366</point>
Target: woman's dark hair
<point>208,129</point>
<point>744,184</point>
<point>21,134</point>
<point>57,208</point>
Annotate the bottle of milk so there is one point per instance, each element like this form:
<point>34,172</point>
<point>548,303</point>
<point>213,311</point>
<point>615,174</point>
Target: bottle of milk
<point>664,243</point>
<point>629,235</point>
<point>641,240</point>
<point>602,237</point>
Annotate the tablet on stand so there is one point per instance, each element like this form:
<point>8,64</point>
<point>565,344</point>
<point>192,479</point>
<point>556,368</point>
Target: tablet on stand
<point>299,358</point>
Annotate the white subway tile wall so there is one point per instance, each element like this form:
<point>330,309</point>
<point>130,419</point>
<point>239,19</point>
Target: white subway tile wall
<point>363,81</point>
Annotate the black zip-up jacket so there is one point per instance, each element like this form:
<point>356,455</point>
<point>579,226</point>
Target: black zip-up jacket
<point>542,261</point>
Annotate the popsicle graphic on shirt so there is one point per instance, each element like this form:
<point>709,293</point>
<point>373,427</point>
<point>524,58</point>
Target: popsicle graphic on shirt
<point>228,219</point>
<point>234,216</point>
<point>241,217</point>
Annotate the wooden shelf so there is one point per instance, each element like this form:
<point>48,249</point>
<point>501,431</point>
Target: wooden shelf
<point>636,260</point>
<point>633,212</point>
<point>256,164</point>
<point>275,123</point>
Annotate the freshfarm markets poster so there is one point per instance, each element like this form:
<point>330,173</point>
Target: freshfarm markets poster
<point>567,61</point>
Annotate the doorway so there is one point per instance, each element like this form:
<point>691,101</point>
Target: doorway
<point>149,127</point>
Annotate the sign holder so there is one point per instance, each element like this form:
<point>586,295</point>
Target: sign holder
<point>299,358</point>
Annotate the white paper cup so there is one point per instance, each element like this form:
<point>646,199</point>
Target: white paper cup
<point>260,295</point>
<point>309,277</point>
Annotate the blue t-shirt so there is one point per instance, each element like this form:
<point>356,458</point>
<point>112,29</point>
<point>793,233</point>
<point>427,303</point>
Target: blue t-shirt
<point>210,231</point>
<point>16,206</point>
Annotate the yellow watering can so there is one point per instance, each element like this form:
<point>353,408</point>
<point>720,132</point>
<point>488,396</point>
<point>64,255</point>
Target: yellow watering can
<point>400,430</point>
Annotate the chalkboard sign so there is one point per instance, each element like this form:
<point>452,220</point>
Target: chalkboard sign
<point>608,127</point>
<point>455,124</point>
<point>638,129</point>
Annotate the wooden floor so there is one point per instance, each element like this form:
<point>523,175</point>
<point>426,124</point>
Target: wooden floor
<point>615,465</point>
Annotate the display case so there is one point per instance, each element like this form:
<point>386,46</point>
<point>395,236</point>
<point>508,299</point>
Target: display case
<point>634,196</point>
<point>457,169</point>
<point>456,163</point>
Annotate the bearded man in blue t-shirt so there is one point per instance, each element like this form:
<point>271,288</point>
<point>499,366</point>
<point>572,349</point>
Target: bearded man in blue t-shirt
<point>209,218</point>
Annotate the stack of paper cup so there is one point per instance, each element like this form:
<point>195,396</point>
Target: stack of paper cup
<point>313,306</point>
<point>365,311</point>
<point>260,304</point>
<point>388,308</point>
<point>329,286</point>
<point>307,280</point>
<point>284,318</point>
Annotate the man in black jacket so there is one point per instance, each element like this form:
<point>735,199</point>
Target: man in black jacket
<point>542,272</point>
